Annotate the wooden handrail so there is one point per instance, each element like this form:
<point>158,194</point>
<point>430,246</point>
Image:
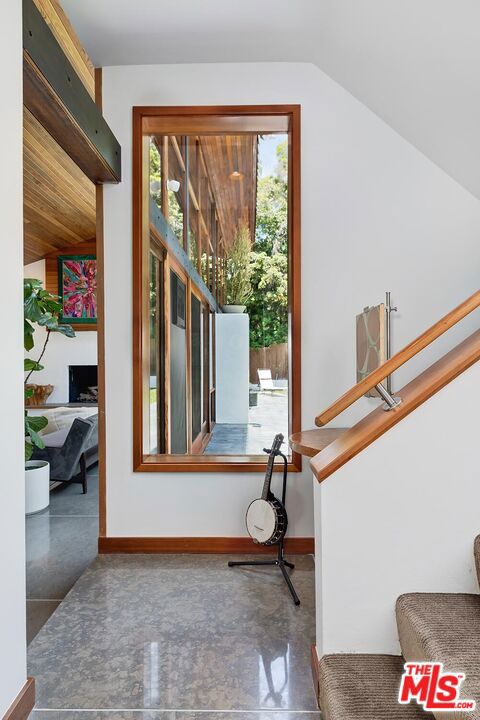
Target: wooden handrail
<point>372,426</point>
<point>409,351</point>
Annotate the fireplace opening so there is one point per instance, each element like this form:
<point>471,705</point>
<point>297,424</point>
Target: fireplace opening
<point>82,384</point>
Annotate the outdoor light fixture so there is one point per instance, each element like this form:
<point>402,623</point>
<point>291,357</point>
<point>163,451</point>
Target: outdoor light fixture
<point>173,185</point>
<point>235,175</point>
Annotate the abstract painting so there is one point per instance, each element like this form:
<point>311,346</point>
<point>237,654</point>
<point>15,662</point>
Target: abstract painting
<point>77,287</point>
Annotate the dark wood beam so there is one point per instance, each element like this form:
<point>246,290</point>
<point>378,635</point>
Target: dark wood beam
<point>56,96</point>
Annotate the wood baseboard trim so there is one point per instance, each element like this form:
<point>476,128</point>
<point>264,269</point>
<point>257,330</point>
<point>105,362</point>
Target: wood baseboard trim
<point>207,545</point>
<point>315,671</point>
<point>23,704</point>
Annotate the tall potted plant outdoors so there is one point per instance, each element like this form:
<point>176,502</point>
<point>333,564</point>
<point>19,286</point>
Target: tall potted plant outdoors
<point>43,309</point>
<point>237,279</point>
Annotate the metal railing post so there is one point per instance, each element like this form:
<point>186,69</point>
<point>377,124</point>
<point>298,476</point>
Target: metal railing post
<point>390,400</point>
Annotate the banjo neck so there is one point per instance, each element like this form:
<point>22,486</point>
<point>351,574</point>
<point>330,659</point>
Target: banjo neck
<point>268,476</point>
<point>271,461</point>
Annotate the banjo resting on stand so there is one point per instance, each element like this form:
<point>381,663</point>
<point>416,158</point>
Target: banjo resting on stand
<point>266,517</point>
<point>267,521</point>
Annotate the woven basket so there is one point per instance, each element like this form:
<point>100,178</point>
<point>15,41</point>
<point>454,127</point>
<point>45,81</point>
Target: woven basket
<point>41,393</point>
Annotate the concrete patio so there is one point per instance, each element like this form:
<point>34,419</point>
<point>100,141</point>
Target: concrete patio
<point>265,420</point>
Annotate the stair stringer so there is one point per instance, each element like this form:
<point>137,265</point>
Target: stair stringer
<point>399,517</point>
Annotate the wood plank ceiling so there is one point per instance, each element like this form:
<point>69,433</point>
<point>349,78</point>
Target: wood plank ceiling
<point>59,200</point>
<point>231,162</point>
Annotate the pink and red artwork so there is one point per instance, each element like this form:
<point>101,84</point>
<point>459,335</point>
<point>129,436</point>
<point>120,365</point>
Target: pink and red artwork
<point>77,286</point>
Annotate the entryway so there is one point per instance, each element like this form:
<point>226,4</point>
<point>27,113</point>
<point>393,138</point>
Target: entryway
<point>178,636</point>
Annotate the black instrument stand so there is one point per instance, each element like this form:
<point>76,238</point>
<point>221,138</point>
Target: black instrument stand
<point>280,559</point>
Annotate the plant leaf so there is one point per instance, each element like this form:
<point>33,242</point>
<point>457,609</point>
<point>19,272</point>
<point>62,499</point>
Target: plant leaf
<point>30,285</point>
<point>36,439</point>
<point>36,423</point>
<point>66,330</point>
<point>28,342</point>
<point>32,308</point>
<point>28,393</point>
<point>52,305</point>
<point>29,364</point>
<point>48,320</point>
<point>28,331</point>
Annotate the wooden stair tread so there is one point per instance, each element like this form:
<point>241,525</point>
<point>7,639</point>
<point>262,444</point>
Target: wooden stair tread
<point>311,442</point>
<point>371,427</point>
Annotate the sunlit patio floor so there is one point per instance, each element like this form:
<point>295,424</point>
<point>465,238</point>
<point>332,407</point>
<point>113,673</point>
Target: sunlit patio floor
<point>265,420</point>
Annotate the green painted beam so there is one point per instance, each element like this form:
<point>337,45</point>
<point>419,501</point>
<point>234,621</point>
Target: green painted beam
<point>54,93</point>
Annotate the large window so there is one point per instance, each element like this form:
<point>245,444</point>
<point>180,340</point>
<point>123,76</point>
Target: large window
<point>216,286</point>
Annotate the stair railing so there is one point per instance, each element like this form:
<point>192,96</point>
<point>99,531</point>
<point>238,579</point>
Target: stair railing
<point>374,379</point>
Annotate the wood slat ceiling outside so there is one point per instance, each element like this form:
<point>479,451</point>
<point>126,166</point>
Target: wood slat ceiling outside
<point>59,200</point>
<point>235,197</point>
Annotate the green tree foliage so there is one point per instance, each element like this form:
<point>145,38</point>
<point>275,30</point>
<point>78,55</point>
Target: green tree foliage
<point>281,171</point>
<point>271,230</point>
<point>175,216</point>
<point>267,305</point>
<point>155,175</point>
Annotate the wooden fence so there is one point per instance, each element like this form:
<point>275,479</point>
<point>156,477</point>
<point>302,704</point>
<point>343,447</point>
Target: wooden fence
<point>273,358</point>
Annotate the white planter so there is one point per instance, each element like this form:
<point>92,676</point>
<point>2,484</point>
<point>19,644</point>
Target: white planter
<point>233,308</point>
<point>37,486</point>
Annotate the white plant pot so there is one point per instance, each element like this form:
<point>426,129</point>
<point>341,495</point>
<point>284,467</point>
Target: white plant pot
<point>37,486</point>
<point>233,308</point>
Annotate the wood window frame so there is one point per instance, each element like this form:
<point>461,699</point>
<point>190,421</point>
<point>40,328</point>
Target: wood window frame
<point>201,120</point>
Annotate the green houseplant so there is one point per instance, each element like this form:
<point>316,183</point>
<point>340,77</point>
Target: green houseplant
<point>43,309</point>
<point>237,277</point>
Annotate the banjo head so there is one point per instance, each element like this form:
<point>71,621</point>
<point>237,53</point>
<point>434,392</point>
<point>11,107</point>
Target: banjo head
<point>261,520</point>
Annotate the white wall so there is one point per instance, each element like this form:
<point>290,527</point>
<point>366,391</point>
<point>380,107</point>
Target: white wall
<point>376,216</point>
<point>400,517</point>
<point>232,371</point>
<point>12,504</point>
<point>61,351</point>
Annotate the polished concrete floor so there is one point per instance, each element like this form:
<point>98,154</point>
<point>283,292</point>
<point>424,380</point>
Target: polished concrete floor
<point>265,420</point>
<point>172,715</point>
<point>178,637</point>
<point>61,542</point>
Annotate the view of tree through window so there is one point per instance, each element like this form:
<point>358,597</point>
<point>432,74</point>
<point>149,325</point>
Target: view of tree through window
<point>219,292</point>
<point>268,303</point>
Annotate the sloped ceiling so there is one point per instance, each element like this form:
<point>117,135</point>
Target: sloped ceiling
<point>416,63</point>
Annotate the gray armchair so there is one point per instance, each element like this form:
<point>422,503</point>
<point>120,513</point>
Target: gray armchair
<point>70,451</point>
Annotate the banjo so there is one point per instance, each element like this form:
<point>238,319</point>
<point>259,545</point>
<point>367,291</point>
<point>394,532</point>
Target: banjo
<point>266,517</point>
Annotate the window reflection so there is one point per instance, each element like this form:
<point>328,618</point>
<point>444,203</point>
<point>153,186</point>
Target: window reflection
<point>273,674</point>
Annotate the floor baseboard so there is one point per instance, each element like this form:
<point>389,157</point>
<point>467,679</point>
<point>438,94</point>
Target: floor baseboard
<point>23,704</point>
<point>315,671</point>
<point>207,545</point>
